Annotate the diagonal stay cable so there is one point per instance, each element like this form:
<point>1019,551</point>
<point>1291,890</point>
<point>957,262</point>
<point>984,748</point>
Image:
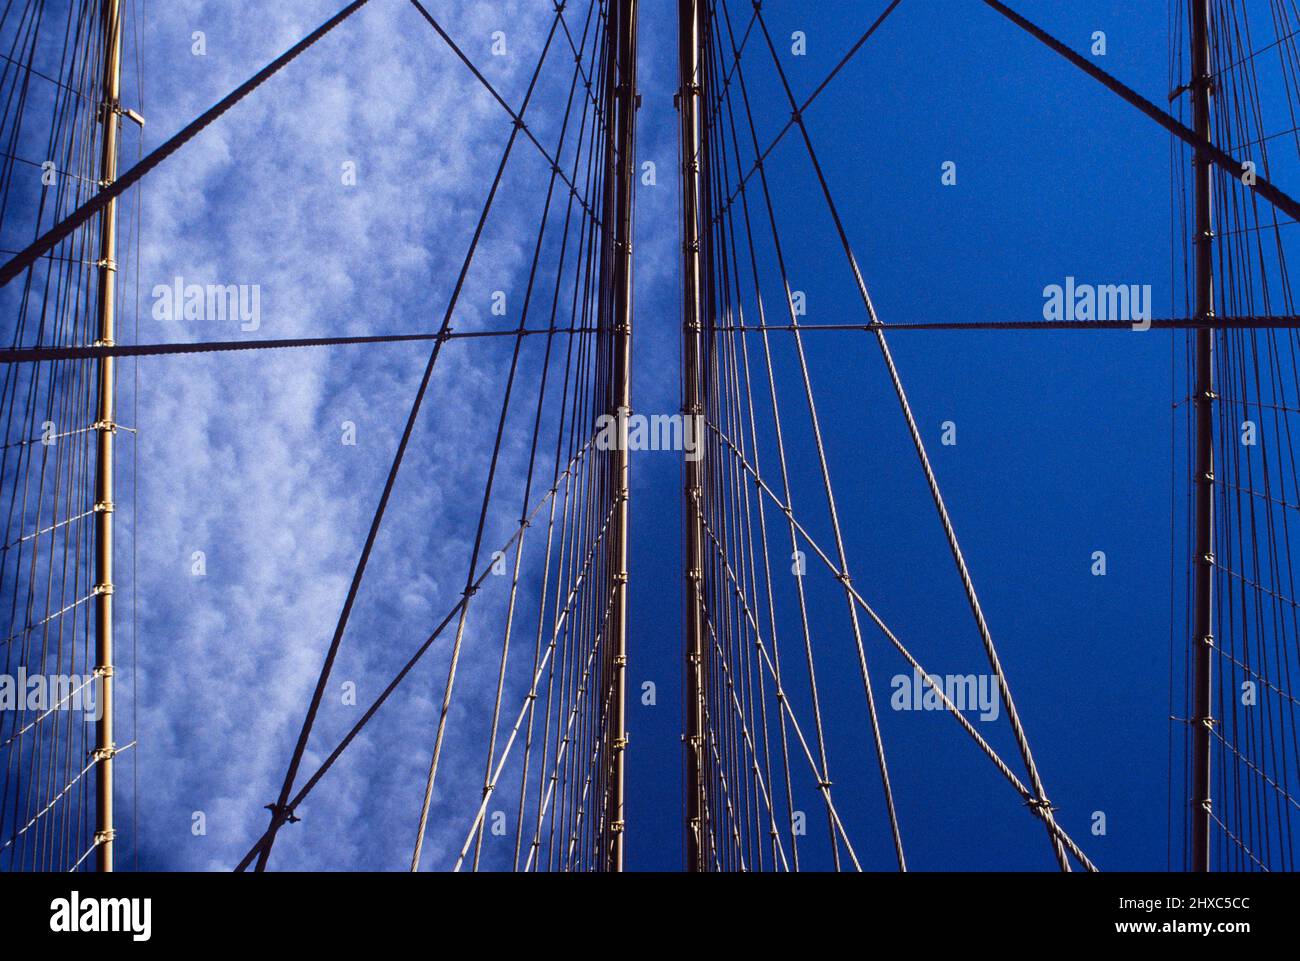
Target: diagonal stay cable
<point>1003,768</point>
<point>1234,167</point>
<point>280,812</point>
<point>36,355</point>
<point>45,242</point>
<point>819,445</point>
<point>496,452</point>
<point>516,117</point>
<point>821,87</point>
<point>401,675</point>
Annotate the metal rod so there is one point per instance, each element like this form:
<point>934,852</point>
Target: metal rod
<point>1203,560</point>
<point>688,100</point>
<point>110,117</point>
<point>621,183</point>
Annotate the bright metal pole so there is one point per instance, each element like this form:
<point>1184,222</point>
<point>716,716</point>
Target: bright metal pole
<point>1203,565</point>
<point>110,117</point>
<point>688,107</point>
<point>623,161</point>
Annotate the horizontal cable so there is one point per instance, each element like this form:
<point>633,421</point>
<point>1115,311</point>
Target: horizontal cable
<point>1268,322</point>
<point>30,355</point>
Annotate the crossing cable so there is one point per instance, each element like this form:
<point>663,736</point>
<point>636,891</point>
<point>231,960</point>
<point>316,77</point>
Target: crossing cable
<point>280,812</point>
<point>406,669</point>
<point>742,532</point>
<point>21,262</point>
<point>564,413</point>
<point>1013,717</point>
<point>577,411</point>
<point>753,421</point>
<point>488,776</point>
<point>821,454</point>
<point>822,776</point>
<point>449,687</point>
<point>1029,797</point>
<point>65,400</point>
<point>476,827</point>
<point>518,118</point>
<point>577,510</point>
<point>761,156</point>
<point>738,710</point>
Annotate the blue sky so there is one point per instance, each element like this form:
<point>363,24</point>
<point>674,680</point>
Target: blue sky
<point>1064,438</point>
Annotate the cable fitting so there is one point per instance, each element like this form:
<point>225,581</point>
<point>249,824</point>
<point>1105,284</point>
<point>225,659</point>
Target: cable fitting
<point>284,814</point>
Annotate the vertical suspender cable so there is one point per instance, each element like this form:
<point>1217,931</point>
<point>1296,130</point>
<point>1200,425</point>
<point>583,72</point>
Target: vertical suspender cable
<point>688,105</point>
<point>624,159</point>
<point>1203,560</point>
<point>110,117</point>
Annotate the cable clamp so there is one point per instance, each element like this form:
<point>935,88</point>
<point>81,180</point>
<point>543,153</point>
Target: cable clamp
<point>103,589</point>
<point>620,743</point>
<point>104,837</point>
<point>104,753</point>
<point>104,670</point>
<point>283,814</point>
<point>1208,640</point>
<point>104,507</point>
<point>1208,558</point>
<point>1040,806</point>
<point>620,660</point>
<point>617,826</point>
<point>620,577</point>
<point>108,425</point>
<point>469,591</point>
<point>105,263</point>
